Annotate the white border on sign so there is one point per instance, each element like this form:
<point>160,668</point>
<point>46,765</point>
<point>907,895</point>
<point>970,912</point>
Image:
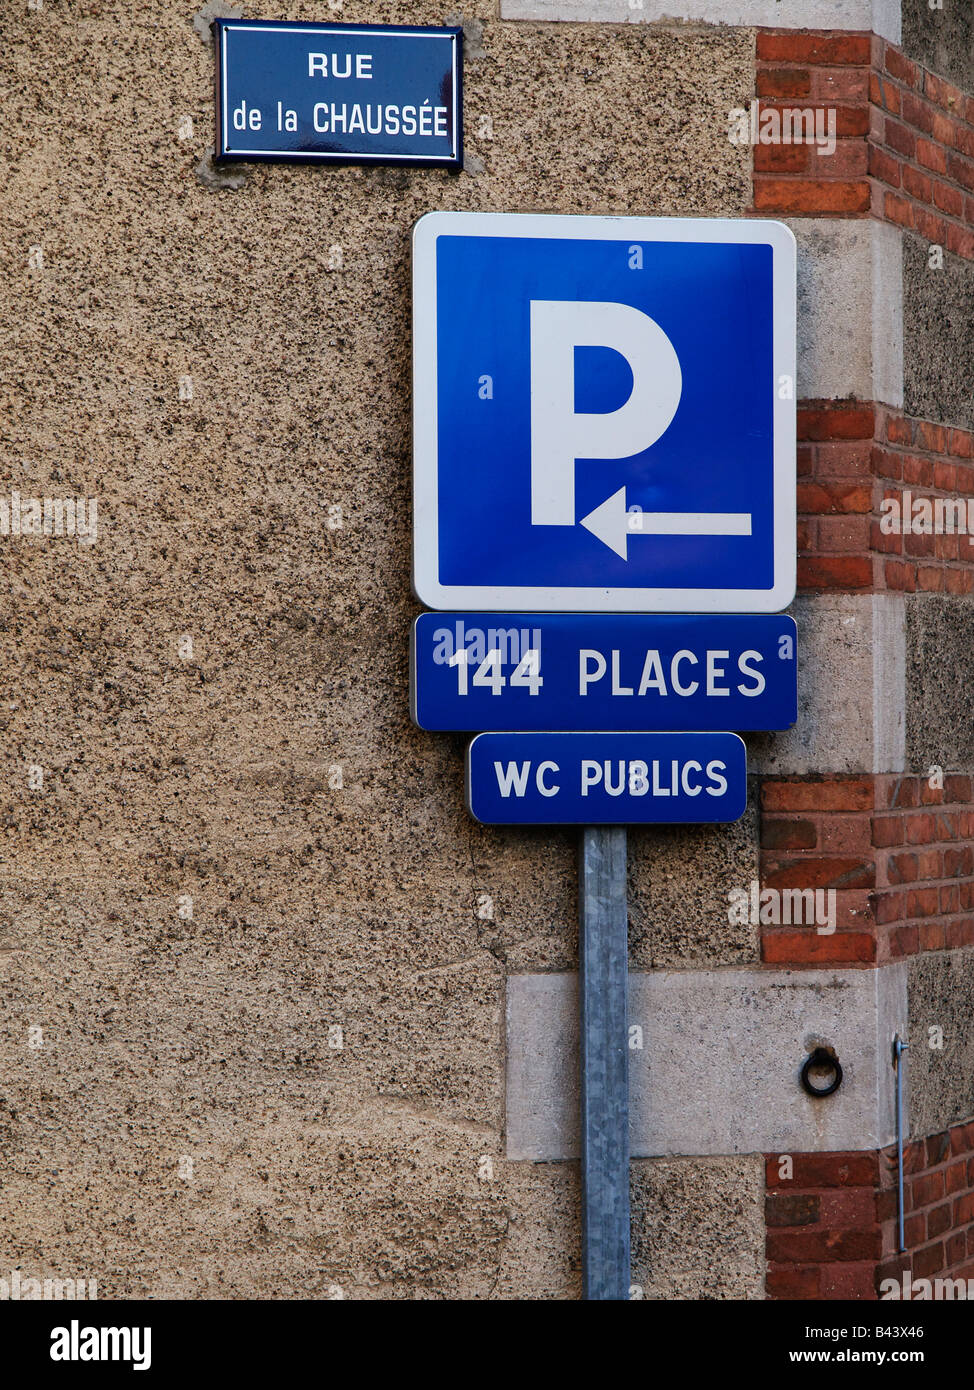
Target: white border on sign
<point>333,29</point>
<point>590,599</point>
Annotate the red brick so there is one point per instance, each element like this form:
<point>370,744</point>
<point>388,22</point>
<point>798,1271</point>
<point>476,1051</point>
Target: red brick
<point>887,830</point>
<point>960,241</point>
<point>831,794</point>
<point>926,1189</point>
<point>849,1206</point>
<point>899,138</point>
<point>932,936</point>
<point>958,862</point>
<point>902,793</point>
<point>931,156</point>
<point>922,902</point>
<point>781,159</point>
<point>845,835</point>
<point>893,1268</point>
<point>788,834</point>
<point>835,422</point>
<point>960,582</point>
<point>949,902</point>
<point>884,166</point>
<point>938,1221</point>
<point>945,477</point>
<point>783,82</point>
<point>955,1249</point>
<point>791,1209</point>
<point>943,93</point>
<point>888,907</point>
<point>844,459</point>
<point>803,1247</point>
<point>901,68</point>
<point>948,199</point>
<point>835,497</point>
<point>886,464</point>
<point>942,130</point>
<point>921,830</point>
<point>918,113</point>
<point>900,576</point>
<point>850,120</point>
<point>917,471</point>
<point>809,948</point>
<point>783,1281</point>
<point>914,1157</point>
<point>794,46</point>
<point>917,184</point>
<point>840,84</point>
<point>822,196</point>
<point>933,228</point>
<point>928,1261</point>
<point>899,429</point>
<point>813,872</point>
<point>961,171</point>
<point>835,572</point>
<point>933,438</point>
<point>962,1141</point>
<point>960,933</point>
<point>937,1148</point>
<point>964,1209</point>
<point>843,534</point>
<point>902,868</point>
<point>904,941</point>
<point>898,210</point>
<point>883,93</point>
<point>955,1178</point>
<point>855,1168</point>
<point>887,542</point>
<point>849,1280</point>
<point>849,160</point>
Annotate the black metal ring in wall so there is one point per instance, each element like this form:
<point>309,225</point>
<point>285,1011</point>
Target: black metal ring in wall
<point>826,1061</point>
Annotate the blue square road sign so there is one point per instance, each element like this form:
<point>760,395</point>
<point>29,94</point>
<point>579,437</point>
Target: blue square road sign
<point>604,413</point>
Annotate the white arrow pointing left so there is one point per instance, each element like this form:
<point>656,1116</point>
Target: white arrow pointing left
<point>613,524</point>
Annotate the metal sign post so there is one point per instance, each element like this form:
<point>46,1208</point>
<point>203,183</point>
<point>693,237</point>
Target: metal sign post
<point>603,948</point>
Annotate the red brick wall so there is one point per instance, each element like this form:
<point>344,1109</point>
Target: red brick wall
<point>832,1227</point>
<point>852,456</point>
<point>898,852</point>
<point>905,147</point>
<point>824,1232</point>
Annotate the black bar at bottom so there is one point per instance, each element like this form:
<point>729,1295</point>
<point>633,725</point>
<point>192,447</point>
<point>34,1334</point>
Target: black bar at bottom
<point>604,1061</point>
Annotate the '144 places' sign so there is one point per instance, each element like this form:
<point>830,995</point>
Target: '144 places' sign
<point>524,671</point>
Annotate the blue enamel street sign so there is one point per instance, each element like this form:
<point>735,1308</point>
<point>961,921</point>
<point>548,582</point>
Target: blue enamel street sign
<point>606,779</point>
<point>534,671</point>
<point>343,93</point>
<point>604,413</point>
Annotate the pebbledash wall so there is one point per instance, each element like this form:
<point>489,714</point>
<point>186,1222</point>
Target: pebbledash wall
<point>276,1019</point>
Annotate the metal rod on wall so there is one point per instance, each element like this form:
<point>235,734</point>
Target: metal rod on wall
<point>603,918</point>
<point>899,1047</point>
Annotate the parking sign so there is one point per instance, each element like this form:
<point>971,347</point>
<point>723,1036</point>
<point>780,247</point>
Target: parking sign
<point>604,413</point>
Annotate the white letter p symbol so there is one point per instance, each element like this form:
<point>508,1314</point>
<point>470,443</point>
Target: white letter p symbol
<point>559,436</point>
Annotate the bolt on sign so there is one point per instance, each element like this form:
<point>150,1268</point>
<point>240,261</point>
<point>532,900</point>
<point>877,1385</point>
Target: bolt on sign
<point>339,93</point>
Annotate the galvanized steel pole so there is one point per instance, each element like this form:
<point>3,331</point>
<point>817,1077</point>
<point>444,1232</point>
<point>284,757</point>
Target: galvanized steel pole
<point>603,920</point>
